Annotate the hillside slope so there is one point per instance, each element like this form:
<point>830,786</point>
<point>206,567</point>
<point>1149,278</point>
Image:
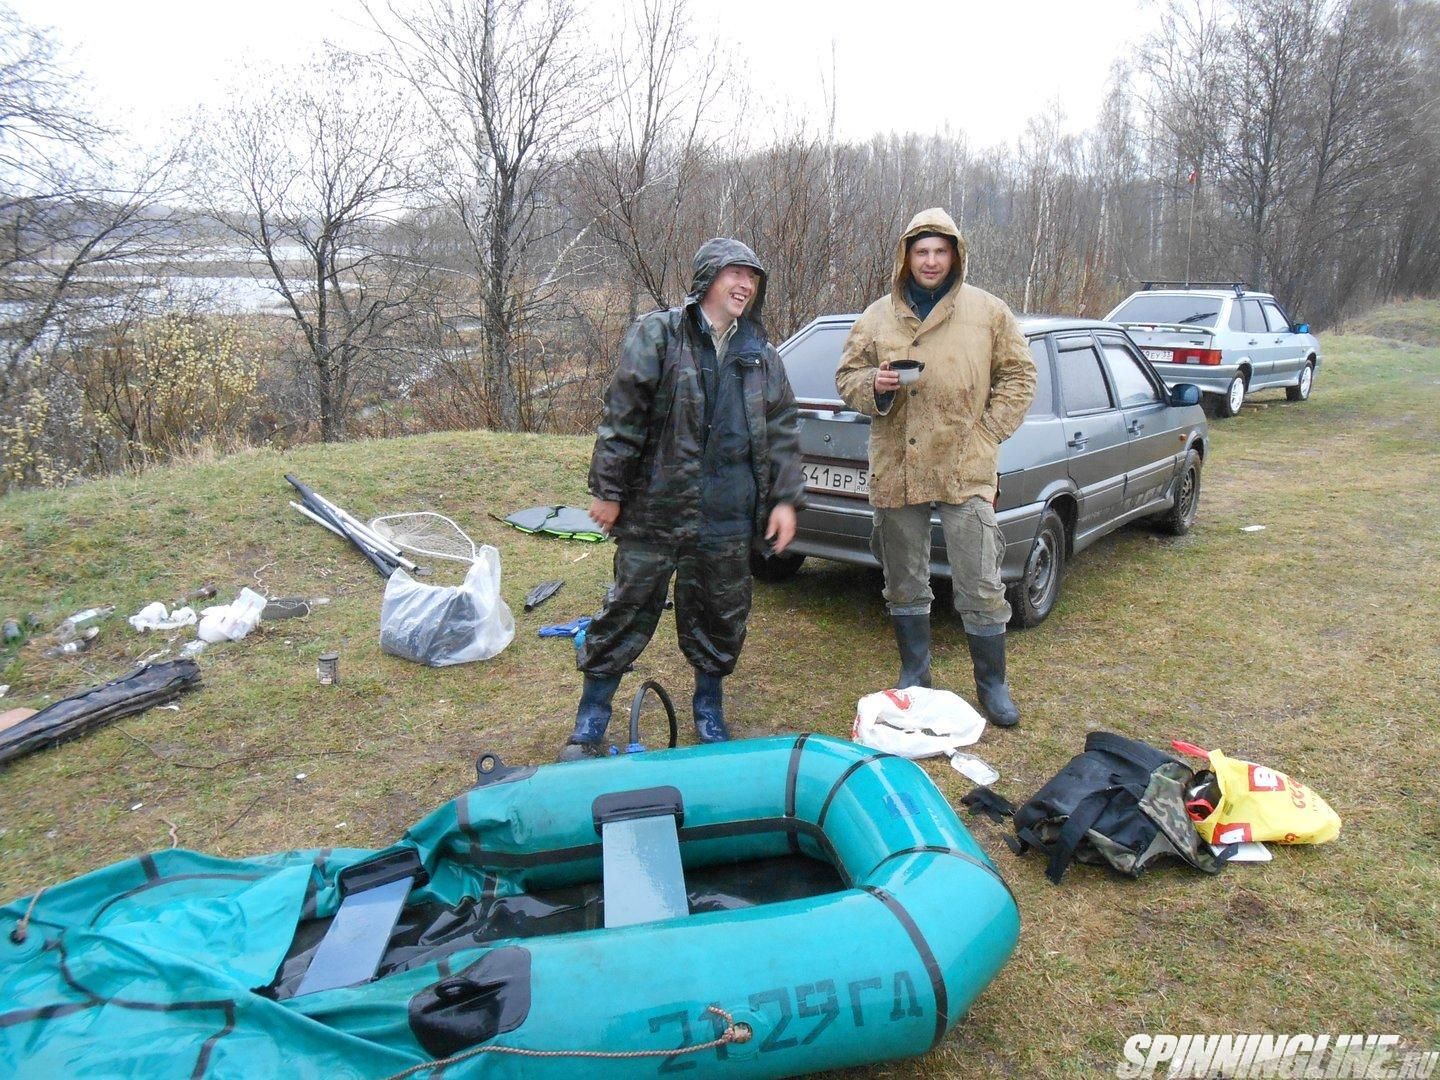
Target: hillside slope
<point>1309,646</point>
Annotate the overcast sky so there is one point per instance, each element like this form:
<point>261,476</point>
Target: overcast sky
<point>912,65</point>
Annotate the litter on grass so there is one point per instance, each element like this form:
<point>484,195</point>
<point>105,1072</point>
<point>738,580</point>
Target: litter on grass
<point>290,607</point>
<point>571,629</point>
<point>231,622</point>
<point>1252,528</point>
<point>440,625</point>
<point>916,722</point>
<point>155,616</point>
<point>542,592</point>
<point>973,768</point>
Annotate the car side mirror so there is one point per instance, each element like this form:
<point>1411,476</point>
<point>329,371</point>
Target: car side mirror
<point>1302,328</point>
<point>1184,394</point>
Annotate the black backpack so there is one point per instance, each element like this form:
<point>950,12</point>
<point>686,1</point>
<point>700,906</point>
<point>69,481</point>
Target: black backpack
<point>1120,804</point>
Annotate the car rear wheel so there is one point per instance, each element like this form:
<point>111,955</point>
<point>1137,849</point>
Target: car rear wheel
<point>1230,401</point>
<point>1032,597</point>
<point>1301,390</point>
<point>780,567</point>
<point>1186,502</point>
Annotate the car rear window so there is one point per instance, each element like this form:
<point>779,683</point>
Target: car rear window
<point>810,362</point>
<point>1081,379</point>
<point>1277,322</point>
<point>1044,401</point>
<point>1131,383</point>
<point>1184,309</point>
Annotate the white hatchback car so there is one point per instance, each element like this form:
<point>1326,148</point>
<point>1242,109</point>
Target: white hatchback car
<point>1221,336</point>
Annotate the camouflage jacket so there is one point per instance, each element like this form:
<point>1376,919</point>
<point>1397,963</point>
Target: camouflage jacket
<point>650,447</point>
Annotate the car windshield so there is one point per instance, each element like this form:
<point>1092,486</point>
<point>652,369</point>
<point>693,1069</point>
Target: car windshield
<point>1184,309</point>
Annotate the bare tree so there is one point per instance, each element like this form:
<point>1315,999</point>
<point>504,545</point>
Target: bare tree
<point>311,174</point>
<point>76,231</point>
<point>509,85</point>
<point>652,147</point>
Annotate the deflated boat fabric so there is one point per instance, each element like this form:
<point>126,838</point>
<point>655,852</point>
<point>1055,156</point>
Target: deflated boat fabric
<point>177,964</point>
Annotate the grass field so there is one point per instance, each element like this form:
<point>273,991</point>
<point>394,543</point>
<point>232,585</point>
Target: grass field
<point>1312,646</point>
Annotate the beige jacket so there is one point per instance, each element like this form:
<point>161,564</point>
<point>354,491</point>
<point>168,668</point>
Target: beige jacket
<point>937,440</point>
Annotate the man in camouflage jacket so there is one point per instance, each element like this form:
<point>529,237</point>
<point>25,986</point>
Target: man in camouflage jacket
<point>696,457</point>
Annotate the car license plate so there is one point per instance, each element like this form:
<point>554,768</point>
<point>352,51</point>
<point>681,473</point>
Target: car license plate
<point>1160,356</point>
<point>841,478</point>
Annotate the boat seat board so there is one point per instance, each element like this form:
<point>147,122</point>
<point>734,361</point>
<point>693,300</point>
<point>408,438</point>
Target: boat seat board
<point>644,880</point>
<point>350,952</point>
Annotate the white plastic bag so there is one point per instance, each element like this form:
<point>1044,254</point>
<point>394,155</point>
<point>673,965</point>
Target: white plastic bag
<point>916,722</point>
<point>447,624</point>
<point>155,617</point>
<point>231,622</point>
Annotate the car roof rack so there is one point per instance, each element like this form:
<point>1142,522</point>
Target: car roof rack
<point>1239,287</point>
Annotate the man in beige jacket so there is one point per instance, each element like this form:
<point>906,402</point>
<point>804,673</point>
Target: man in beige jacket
<point>935,440</point>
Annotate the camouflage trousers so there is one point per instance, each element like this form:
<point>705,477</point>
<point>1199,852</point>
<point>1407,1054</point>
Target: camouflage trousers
<point>712,605</point>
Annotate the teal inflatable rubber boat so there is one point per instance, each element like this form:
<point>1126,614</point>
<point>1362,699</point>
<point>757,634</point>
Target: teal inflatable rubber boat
<point>757,908</point>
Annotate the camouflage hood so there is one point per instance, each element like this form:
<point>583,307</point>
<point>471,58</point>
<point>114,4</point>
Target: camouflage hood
<point>713,256</point>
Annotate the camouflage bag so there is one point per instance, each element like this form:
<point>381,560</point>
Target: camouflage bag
<point>1119,804</point>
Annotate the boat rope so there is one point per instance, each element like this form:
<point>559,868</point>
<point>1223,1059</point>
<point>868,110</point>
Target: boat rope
<point>22,928</point>
<point>733,1033</point>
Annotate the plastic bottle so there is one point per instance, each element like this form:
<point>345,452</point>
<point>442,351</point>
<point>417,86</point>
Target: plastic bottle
<point>204,592</point>
<point>90,613</point>
<point>70,648</point>
<point>973,767</point>
<point>12,631</point>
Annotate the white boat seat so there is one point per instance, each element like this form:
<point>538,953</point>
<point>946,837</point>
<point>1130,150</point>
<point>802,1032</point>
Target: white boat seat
<point>373,894</point>
<point>639,835</point>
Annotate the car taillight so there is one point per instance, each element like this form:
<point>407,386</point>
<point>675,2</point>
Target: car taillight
<point>1197,356</point>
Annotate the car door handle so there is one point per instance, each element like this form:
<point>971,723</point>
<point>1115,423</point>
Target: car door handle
<point>1078,442</point>
<point>1135,427</point>
<point>1253,341</point>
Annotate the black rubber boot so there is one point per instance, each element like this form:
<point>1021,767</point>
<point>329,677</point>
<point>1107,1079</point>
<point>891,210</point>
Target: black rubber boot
<point>912,634</point>
<point>988,656</point>
<point>591,719</point>
<point>709,709</point>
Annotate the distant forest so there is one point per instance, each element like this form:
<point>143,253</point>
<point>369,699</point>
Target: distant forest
<point>456,229</point>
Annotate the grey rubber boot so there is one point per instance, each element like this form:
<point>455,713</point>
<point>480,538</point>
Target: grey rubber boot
<point>988,655</point>
<point>912,634</point>
<point>591,719</point>
<point>708,706</point>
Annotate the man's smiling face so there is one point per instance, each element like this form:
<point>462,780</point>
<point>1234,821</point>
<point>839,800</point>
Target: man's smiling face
<point>731,292</point>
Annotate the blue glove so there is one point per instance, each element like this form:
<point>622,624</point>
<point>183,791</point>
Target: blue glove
<point>569,629</point>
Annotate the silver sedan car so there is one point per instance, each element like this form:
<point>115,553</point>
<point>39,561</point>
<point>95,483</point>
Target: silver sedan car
<point>1222,337</point>
<point>1104,443</point>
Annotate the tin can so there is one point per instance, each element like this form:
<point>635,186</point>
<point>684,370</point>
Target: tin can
<point>328,668</point>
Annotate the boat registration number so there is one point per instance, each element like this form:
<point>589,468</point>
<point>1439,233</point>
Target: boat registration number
<point>1160,356</point>
<point>845,479</point>
<point>800,1014</point>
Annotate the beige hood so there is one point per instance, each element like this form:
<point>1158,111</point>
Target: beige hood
<point>933,220</point>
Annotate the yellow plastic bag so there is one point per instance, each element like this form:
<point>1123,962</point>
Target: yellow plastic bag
<point>1258,803</point>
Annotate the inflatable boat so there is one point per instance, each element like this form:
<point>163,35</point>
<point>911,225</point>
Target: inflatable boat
<point>755,908</point>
